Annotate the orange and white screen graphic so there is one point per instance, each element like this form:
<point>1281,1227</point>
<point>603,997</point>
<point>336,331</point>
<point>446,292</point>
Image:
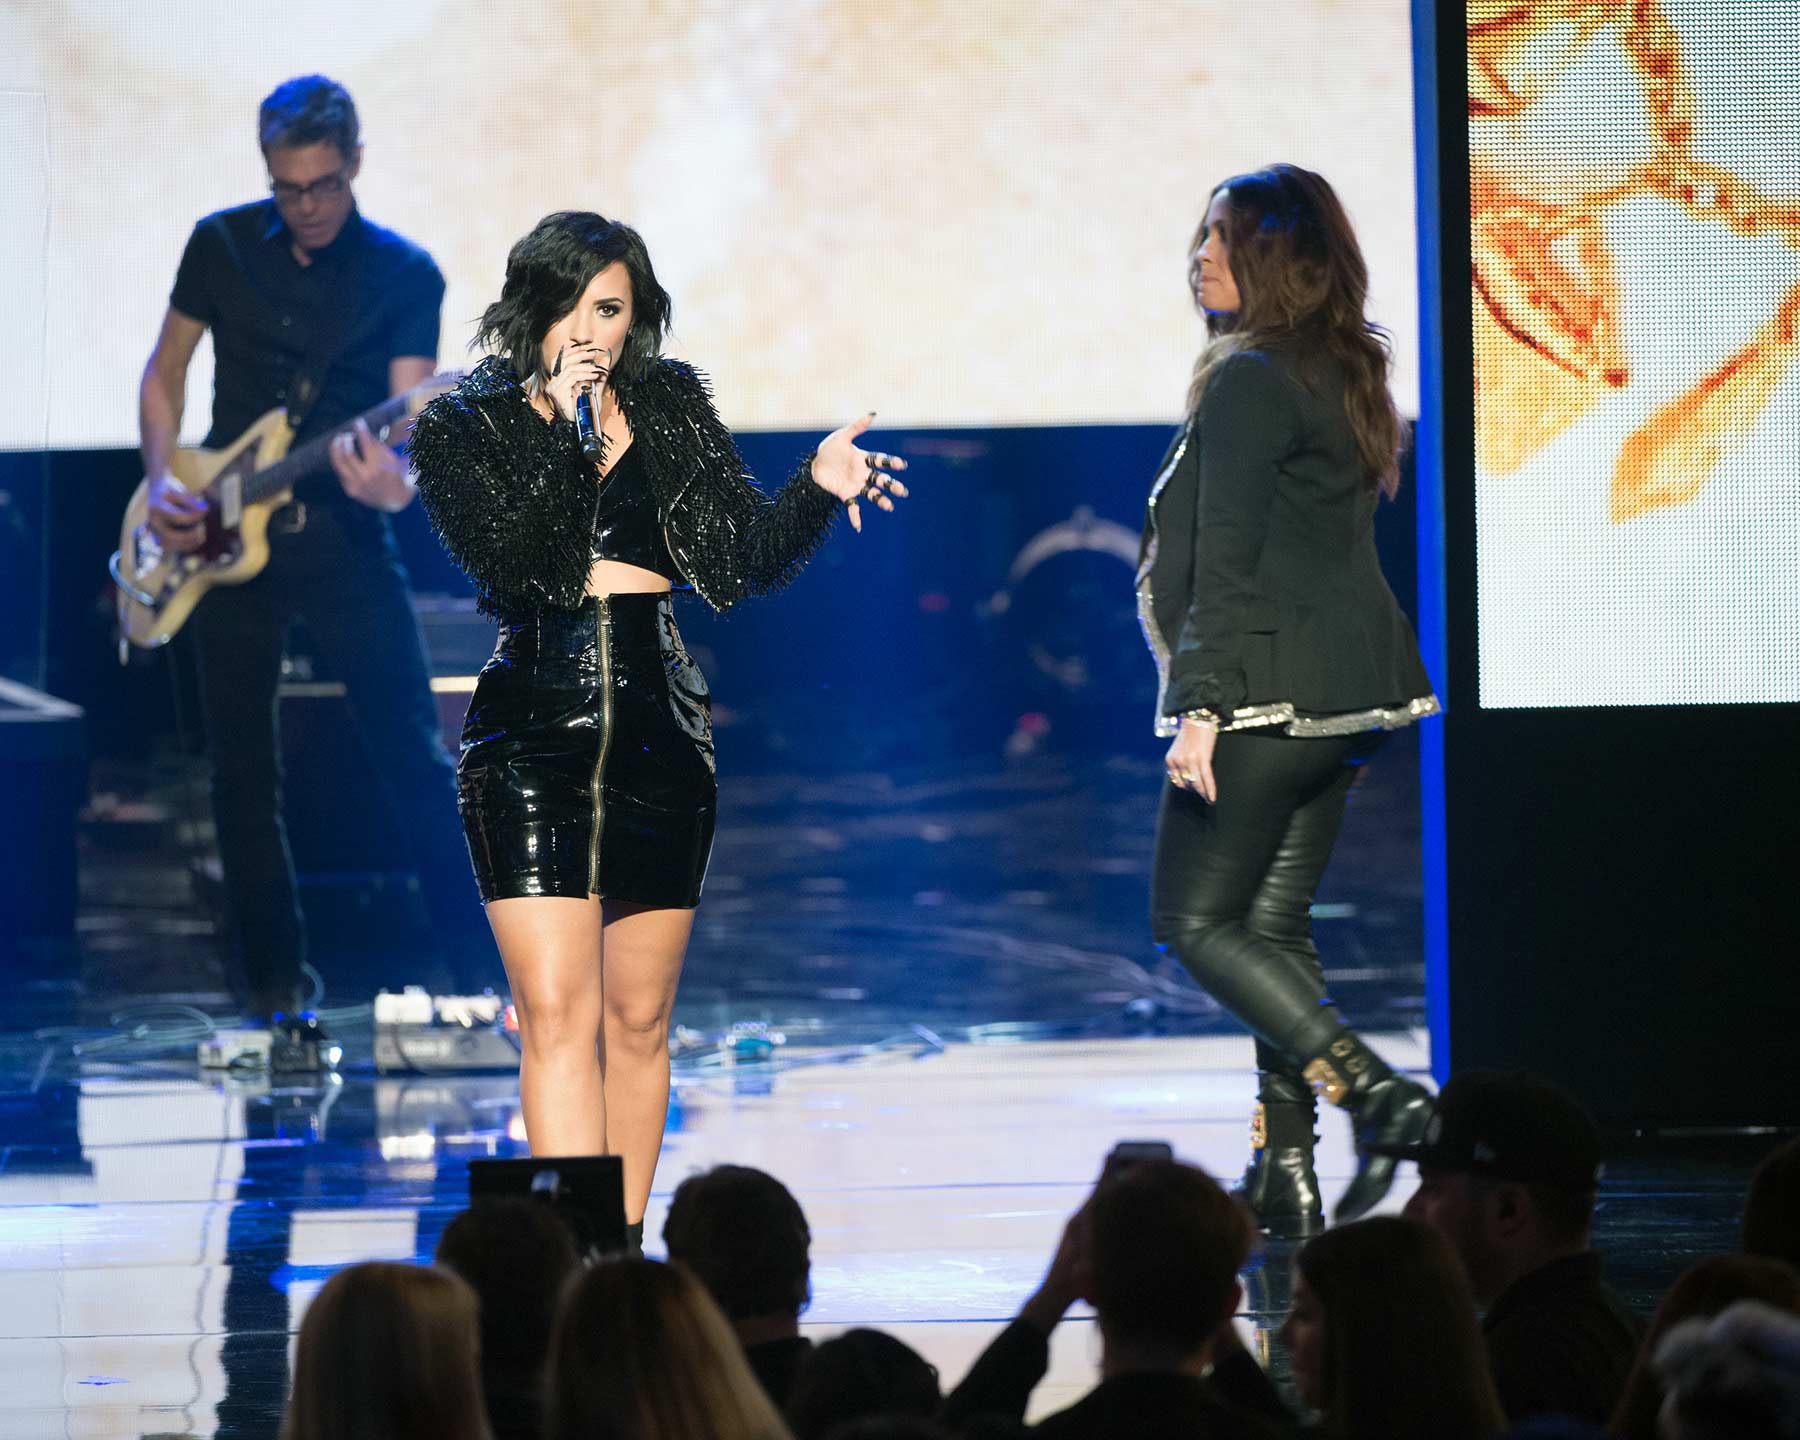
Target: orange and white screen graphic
<point>1635,229</point>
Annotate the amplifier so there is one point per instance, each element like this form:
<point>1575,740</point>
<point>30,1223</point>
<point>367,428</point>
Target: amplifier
<point>43,783</point>
<point>418,1033</point>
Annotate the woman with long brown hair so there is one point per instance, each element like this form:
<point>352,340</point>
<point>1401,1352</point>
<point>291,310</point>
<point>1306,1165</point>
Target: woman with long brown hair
<point>1384,1339</point>
<point>1283,657</point>
<point>642,1352</point>
<point>388,1352</point>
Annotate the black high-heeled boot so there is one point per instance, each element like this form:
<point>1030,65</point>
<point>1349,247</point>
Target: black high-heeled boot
<point>1385,1109</point>
<point>634,1240</point>
<point>1279,1184</point>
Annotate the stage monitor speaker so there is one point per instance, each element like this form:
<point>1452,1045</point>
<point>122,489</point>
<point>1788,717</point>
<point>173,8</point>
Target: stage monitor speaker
<point>586,1190</point>
<point>43,763</point>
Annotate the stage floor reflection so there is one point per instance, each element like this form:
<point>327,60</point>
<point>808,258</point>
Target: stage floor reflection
<point>162,1233</point>
<point>928,1002</point>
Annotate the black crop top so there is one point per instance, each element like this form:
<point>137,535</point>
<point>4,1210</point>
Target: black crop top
<point>626,525</point>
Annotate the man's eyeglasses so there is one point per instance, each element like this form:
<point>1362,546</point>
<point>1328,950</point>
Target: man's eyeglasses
<point>326,187</point>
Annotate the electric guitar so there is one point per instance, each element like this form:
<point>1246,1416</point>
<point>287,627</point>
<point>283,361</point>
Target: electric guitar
<point>243,485</point>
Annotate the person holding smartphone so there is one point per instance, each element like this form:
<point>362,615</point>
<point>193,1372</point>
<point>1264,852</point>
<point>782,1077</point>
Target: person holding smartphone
<point>1156,1250</point>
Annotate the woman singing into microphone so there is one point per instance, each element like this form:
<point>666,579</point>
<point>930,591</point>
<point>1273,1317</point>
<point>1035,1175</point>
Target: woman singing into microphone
<point>586,778</point>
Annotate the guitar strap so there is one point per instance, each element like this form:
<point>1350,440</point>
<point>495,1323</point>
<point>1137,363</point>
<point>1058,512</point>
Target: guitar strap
<point>309,375</point>
<point>303,390</point>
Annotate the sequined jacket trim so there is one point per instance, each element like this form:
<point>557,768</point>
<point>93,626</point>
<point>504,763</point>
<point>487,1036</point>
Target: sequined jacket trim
<point>512,499</point>
<point>1290,721</point>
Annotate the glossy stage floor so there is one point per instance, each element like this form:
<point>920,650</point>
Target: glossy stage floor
<point>928,1005</point>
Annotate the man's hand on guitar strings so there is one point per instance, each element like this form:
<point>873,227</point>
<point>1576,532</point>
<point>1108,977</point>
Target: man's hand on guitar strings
<point>177,515</point>
<point>371,472</point>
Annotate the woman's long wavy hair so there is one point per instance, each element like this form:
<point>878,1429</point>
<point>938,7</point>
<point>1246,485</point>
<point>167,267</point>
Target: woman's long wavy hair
<point>1302,282</point>
<point>546,273</point>
<point>388,1352</point>
<point>1404,1358</point>
<point>642,1352</point>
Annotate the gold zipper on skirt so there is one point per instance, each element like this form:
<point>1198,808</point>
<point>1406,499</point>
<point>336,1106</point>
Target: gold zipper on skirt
<point>602,623</point>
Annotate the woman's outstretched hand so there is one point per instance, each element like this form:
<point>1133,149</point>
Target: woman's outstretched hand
<point>855,475</point>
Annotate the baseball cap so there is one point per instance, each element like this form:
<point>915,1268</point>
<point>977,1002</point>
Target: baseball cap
<point>1511,1126</point>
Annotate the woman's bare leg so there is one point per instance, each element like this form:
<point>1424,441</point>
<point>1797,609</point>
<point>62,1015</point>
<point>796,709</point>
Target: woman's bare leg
<point>643,951</point>
<point>550,946</point>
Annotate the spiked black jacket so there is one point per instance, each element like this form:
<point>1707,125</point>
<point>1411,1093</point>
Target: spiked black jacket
<point>512,499</point>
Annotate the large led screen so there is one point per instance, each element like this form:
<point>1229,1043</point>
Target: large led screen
<point>953,213</point>
<point>1635,228</point>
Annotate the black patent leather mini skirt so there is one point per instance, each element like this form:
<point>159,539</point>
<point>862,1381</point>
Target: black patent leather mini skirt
<point>587,758</point>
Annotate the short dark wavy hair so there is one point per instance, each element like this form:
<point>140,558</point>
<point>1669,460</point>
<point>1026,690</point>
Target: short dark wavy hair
<point>744,1235</point>
<point>1165,1243</point>
<point>545,275</point>
<point>517,1255</point>
<point>308,110</point>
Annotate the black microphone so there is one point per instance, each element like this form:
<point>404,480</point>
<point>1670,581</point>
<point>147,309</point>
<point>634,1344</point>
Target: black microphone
<point>586,431</point>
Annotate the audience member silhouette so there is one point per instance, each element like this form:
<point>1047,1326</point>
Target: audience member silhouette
<point>1733,1377</point>
<point>641,1352</point>
<point>1772,1208</point>
<point>745,1238</point>
<point>1155,1250</point>
<point>391,1351</point>
<point>1509,1172</point>
<point>860,1374</point>
<point>1383,1336</point>
<point>517,1255</point>
<point>1702,1291</point>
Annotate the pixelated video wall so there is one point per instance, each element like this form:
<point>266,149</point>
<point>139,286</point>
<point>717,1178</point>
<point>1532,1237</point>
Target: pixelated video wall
<point>1635,233</point>
<point>957,214</point>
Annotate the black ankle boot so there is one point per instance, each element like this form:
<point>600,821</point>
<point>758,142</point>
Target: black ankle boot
<point>1279,1184</point>
<point>1385,1110</point>
<point>634,1240</point>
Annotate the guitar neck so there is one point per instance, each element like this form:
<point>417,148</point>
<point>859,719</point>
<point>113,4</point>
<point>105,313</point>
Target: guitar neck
<point>311,456</point>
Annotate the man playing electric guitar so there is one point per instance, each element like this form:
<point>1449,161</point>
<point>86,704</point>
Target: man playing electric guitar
<point>313,308</point>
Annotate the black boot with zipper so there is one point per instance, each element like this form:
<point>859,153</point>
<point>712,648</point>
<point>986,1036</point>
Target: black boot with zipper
<point>1279,1184</point>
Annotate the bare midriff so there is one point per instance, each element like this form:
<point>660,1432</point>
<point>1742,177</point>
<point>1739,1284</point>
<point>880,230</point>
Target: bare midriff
<point>614,577</point>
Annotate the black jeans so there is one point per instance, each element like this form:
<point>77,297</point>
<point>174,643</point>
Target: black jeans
<point>1232,886</point>
<point>342,573</point>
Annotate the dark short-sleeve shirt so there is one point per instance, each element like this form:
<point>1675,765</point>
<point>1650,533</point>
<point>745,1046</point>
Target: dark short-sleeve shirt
<point>367,298</point>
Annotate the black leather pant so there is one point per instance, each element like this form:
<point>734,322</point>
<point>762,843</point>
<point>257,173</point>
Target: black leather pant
<point>1232,888</point>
